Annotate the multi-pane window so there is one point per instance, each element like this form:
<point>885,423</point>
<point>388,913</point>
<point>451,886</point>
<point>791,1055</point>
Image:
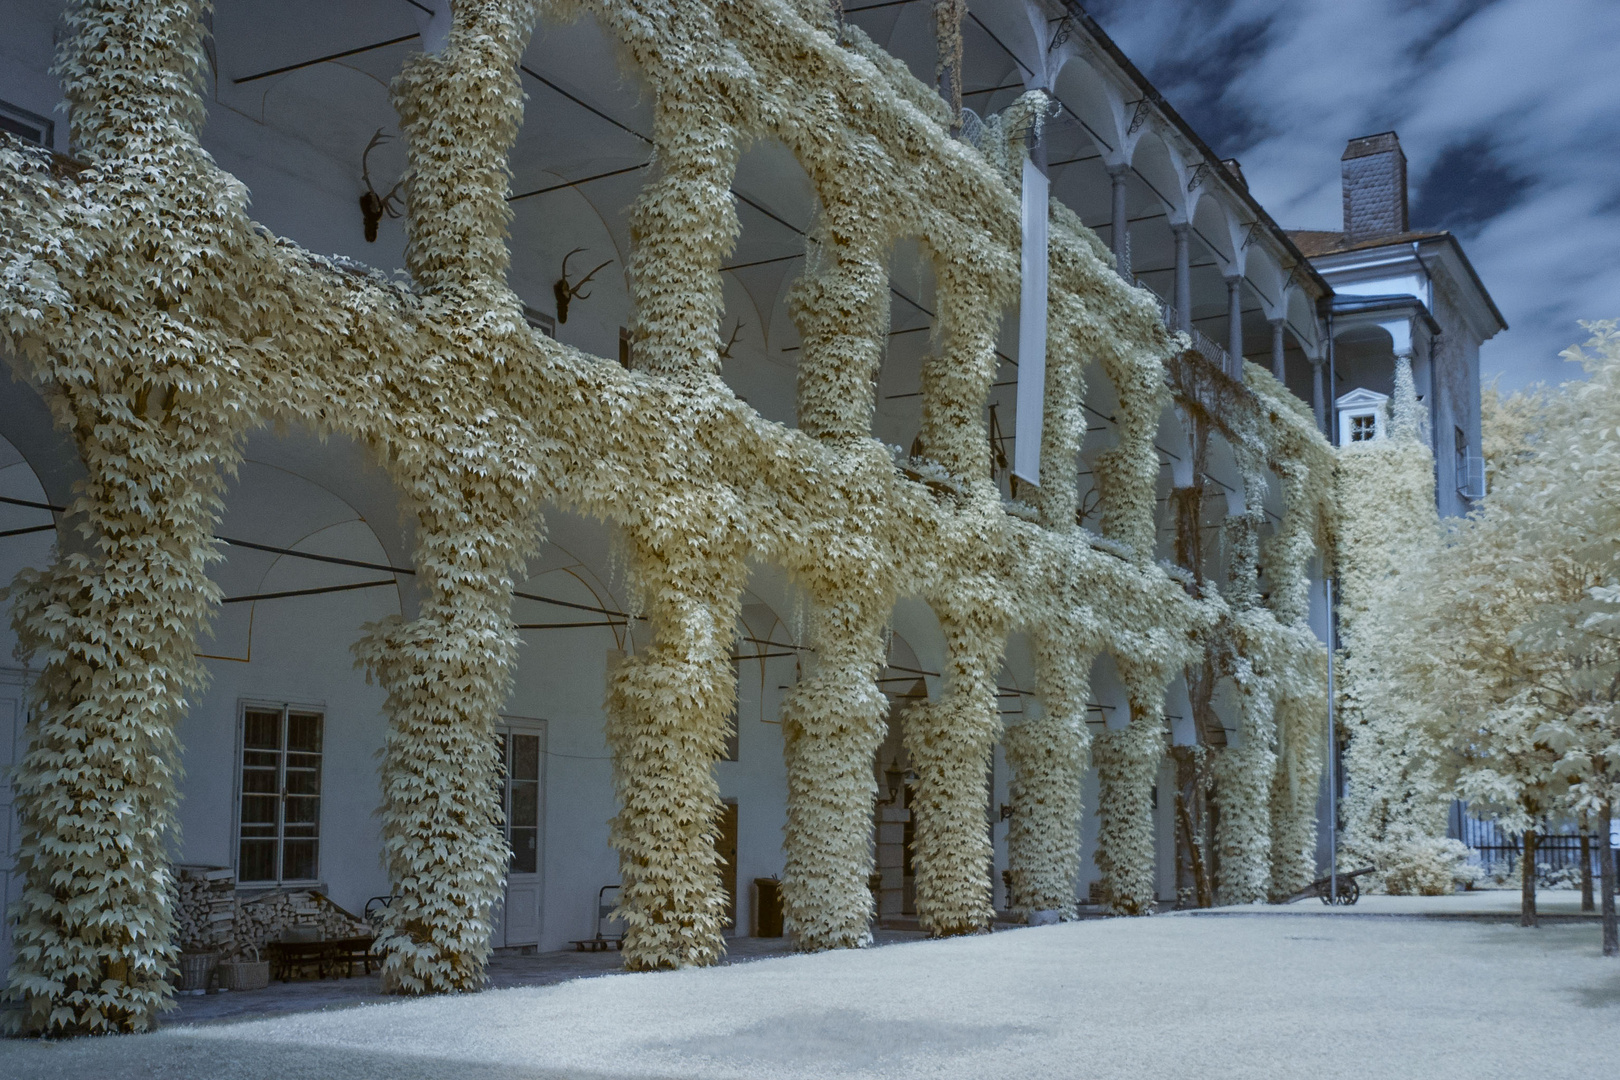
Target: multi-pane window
<point>280,826</point>
<point>27,126</point>
<point>1363,428</point>
<point>520,798</point>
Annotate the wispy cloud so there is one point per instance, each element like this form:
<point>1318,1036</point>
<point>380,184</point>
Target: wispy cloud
<point>1508,110</point>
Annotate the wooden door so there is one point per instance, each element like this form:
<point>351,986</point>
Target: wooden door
<point>726,846</point>
<point>522,748</point>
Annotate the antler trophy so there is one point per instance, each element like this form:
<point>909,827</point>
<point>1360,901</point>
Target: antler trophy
<point>372,205</point>
<point>565,291</point>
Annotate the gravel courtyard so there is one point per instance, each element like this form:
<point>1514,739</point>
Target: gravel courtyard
<point>1174,996</point>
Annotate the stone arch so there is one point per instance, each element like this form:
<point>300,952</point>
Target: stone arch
<point>1160,167</point>
<point>1212,225</point>
<point>19,480</point>
<point>280,636</point>
<point>26,423</point>
<point>1097,103</point>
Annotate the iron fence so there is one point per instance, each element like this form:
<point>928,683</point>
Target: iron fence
<point>1558,846</point>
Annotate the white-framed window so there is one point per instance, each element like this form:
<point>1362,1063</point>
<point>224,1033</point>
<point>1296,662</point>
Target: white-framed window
<point>520,752</point>
<point>1361,416</point>
<point>279,807</point>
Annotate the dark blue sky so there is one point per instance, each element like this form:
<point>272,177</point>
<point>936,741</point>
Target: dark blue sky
<point>1508,110</point>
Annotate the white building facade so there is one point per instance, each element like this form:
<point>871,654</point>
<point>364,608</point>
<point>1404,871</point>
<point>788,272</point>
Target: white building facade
<point>281,749</point>
<point>1404,294</point>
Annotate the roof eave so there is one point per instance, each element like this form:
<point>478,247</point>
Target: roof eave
<point>1149,91</point>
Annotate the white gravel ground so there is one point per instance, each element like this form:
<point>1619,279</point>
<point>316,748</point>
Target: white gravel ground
<point>1166,997</point>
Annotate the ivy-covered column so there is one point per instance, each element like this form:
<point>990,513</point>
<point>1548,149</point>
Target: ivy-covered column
<point>447,674</point>
<point>832,725</point>
<point>833,720</point>
<point>1243,780</point>
<point>1301,705</point>
<point>1243,773</point>
<point>1127,474</point>
<point>468,477</point>
<point>1295,789</point>
<point>950,742</point>
<point>113,318</point>
<point>1048,756</point>
<point>684,223</point>
<point>1048,753</point>
<point>669,709</point>
<point>114,630</point>
<point>1127,762</point>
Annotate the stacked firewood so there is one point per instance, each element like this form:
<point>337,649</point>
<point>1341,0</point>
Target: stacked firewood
<point>278,915</point>
<point>204,908</point>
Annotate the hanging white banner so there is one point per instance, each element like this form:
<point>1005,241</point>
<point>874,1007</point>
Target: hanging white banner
<point>1032,329</point>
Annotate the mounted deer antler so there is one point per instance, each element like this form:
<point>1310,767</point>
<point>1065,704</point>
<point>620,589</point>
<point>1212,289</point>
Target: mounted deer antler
<point>725,353</point>
<point>372,205</point>
<point>565,291</point>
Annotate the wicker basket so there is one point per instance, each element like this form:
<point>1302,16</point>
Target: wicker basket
<point>245,974</point>
<point>196,968</point>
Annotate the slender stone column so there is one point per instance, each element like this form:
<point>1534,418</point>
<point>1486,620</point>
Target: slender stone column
<point>1234,326</point>
<point>1121,237</point>
<point>1319,396</point>
<point>1183,233</point>
<point>1277,346</point>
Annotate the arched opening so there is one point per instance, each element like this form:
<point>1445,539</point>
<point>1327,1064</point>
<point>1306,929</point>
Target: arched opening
<point>1363,359</point>
<point>905,682</point>
<point>761,349</point>
<point>286,711</point>
<point>898,417</point>
<point>1214,260</point>
<point>276,126</point>
<point>1154,194</point>
<point>580,159</point>
<point>27,540</point>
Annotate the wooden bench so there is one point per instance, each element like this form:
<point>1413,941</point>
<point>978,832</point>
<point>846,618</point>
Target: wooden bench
<point>290,958</point>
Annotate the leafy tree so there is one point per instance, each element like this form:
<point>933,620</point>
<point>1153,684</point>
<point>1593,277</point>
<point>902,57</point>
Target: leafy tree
<point>1519,616</point>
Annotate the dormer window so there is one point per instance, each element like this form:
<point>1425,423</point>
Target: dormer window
<point>1361,416</point>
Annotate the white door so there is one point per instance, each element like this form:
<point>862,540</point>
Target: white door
<point>12,717</point>
<point>522,745</point>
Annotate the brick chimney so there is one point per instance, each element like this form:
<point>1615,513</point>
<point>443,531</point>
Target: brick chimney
<point>1374,171</point>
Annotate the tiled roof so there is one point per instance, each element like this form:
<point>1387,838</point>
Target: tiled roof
<point>1313,243</point>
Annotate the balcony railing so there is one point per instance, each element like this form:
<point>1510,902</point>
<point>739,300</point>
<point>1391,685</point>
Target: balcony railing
<point>1201,343</point>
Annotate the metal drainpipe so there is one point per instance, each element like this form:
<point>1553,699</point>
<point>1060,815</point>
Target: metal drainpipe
<point>1332,401</point>
<point>1327,585</point>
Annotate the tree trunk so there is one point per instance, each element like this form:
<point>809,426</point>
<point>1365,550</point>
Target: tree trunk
<point>1205,895</point>
<point>1586,872</point>
<point>1527,876</point>
<point>1611,931</point>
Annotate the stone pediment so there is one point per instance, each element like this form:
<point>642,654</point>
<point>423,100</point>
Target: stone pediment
<point>1361,399</point>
